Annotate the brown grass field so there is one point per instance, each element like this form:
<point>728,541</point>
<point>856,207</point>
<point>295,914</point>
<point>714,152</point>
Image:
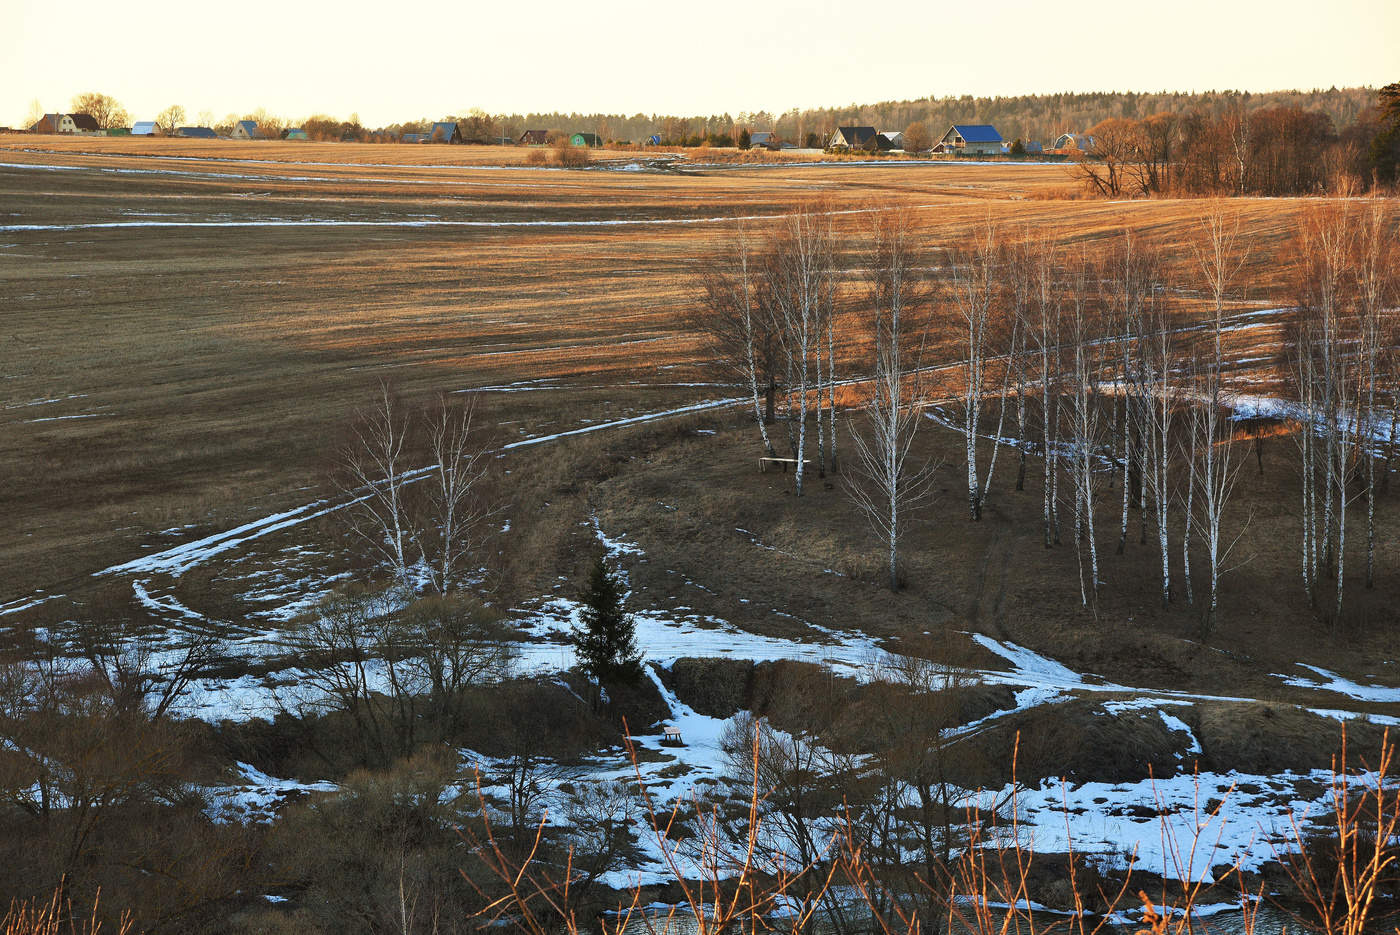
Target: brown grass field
<point>163,381</point>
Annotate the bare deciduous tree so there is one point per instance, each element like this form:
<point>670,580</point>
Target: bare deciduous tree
<point>975,287</point>
<point>103,108</point>
<point>887,481</point>
<point>737,315</point>
<point>802,283</point>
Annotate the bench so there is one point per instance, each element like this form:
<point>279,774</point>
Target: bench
<point>781,462</point>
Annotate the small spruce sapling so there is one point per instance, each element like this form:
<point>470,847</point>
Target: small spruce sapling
<point>606,636</point>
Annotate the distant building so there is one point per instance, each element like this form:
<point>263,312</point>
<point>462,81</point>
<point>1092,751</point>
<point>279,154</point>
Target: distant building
<point>654,139</point>
<point>145,128</point>
<point>445,131</point>
<point>586,139</point>
<point>971,139</point>
<point>1034,148</point>
<point>1070,142</point>
<point>534,138</point>
<point>414,138</point>
<point>294,133</point>
<point>66,123</point>
<point>852,138</point>
<point>197,133</point>
<point>896,138</point>
<point>118,131</point>
<point>246,130</point>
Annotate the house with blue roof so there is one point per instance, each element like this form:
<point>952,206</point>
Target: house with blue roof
<point>246,130</point>
<point>197,133</point>
<point>971,139</point>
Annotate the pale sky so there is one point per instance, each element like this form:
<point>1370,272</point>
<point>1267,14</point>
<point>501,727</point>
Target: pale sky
<point>404,59</point>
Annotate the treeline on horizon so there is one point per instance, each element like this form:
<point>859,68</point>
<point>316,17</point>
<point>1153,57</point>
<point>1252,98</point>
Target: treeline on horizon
<point>1032,117</point>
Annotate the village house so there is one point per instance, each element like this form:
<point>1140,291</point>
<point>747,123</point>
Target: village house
<point>852,138</point>
<point>197,133</point>
<point>534,138</point>
<point>586,139</point>
<point>294,133</point>
<point>445,131</point>
<point>971,139</point>
<point>66,123</point>
<point>895,137</point>
<point>145,128</point>
<point>1073,142</point>
<point>246,130</point>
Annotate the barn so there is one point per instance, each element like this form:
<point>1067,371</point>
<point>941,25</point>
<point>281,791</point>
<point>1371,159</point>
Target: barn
<point>534,138</point>
<point>246,130</point>
<point>145,128</point>
<point>197,133</point>
<point>972,139</point>
<point>294,133</point>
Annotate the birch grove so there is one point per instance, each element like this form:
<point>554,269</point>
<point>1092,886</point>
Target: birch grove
<point>1113,364</point>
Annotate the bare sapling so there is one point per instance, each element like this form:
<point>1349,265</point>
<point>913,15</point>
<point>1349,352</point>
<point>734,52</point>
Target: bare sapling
<point>1344,869</point>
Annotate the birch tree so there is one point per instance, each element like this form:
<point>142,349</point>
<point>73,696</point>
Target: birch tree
<point>375,474</point>
<point>735,313</point>
<point>1085,425</point>
<point>887,482</point>
<point>975,291</point>
<point>453,523</point>
<point>1375,280</point>
<point>1046,333</point>
<point>1220,254</point>
<point>1157,389</point>
<point>801,271</point>
<point>1325,246</point>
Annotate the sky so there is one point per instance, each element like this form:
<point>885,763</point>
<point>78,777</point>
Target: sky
<point>427,58</point>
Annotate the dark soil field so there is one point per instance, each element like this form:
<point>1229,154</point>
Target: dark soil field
<point>183,336</point>
<point>186,339</point>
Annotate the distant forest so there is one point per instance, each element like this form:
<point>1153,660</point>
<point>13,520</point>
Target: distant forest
<point>1032,117</point>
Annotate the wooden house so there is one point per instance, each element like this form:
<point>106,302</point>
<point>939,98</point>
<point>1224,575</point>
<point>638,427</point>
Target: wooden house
<point>445,131</point>
<point>853,138</point>
<point>246,130</point>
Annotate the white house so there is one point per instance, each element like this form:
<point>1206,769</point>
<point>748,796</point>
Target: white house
<point>145,128</point>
